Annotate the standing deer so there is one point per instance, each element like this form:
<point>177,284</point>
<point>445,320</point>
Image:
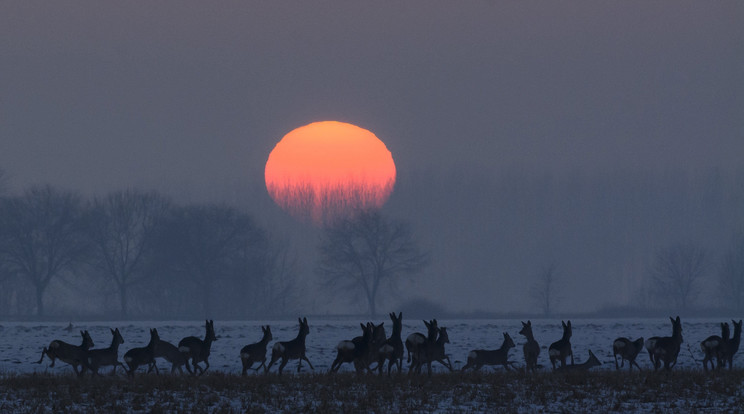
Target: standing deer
<point>197,349</point>
<point>170,353</point>
<point>294,349</point>
<point>585,366</point>
<point>378,338</point>
<point>561,349</point>
<point>392,349</point>
<point>713,347</point>
<point>355,350</point>
<point>531,348</point>
<point>666,349</point>
<point>479,357</point>
<point>731,346</point>
<point>433,351</point>
<point>628,350</point>
<point>71,354</point>
<point>256,352</point>
<point>106,356</point>
<point>137,357</point>
<point>415,342</point>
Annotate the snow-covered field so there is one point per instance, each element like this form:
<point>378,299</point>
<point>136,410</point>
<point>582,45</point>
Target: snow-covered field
<point>26,386</point>
<point>21,342</point>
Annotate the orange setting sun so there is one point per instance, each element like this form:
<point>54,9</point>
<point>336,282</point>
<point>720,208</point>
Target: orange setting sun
<point>327,169</point>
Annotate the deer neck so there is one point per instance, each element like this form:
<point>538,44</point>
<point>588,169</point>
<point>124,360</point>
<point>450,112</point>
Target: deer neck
<point>736,339</point>
<point>208,341</point>
<point>395,334</point>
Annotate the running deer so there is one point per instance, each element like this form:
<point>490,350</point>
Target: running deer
<point>628,351</point>
<point>713,347</point>
<point>378,339</point>
<point>586,366</point>
<point>561,349</point>
<point>294,349</point>
<point>354,351</point>
<point>197,349</point>
<point>137,357</point>
<point>479,357</point>
<point>70,354</point>
<point>169,352</point>
<point>666,349</point>
<point>531,348</point>
<point>415,342</point>
<point>731,346</point>
<point>253,353</point>
<point>433,351</point>
<point>392,349</point>
<point>107,356</point>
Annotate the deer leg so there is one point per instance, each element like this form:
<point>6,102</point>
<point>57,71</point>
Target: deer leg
<point>308,362</point>
<point>206,362</point>
<point>43,352</point>
<point>270,363</point>
<point>281,366</point>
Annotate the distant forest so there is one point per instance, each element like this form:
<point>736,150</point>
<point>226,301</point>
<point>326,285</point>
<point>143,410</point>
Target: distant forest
<point>228,252</point>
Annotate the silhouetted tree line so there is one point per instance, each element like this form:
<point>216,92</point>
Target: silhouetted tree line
<point>138,254</point>
<point>605,231</point>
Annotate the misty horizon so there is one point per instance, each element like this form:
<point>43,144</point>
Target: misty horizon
<point>585,135</point>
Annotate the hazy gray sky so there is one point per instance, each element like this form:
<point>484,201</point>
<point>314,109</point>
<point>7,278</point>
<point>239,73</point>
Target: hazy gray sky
<point>98,94</point>
<point>525,130</point>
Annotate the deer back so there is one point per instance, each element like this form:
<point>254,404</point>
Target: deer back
<point>295,348</point>
<point>106,356</point>
<point>562,347</point>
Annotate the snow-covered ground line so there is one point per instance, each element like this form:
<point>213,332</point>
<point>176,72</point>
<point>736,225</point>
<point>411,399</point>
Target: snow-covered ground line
<point>21,342</point>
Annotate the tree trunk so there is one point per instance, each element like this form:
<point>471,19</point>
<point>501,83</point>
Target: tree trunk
<point>123,299</point>
<point>39,301</point>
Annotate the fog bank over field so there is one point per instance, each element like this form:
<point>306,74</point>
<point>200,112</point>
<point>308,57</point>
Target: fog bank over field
<point>491,234</point>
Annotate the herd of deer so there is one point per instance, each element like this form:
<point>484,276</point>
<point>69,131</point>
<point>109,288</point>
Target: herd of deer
<point>373,346</point>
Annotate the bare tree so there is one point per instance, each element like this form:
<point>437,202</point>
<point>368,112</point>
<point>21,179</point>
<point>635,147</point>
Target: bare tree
<point>677,272</point>
<point>42,236</point>
<point>731,275</point>
<point>122,230</point>
<point>202,245</point>
<point>3,182</point>
<point>544,291</point>
<point>360,253</point>
<point>281,293</point>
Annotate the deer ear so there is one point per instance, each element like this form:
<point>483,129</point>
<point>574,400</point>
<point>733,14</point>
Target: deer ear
<point>305,319</point>
<point>563,323</point>
<point>400,315</point>
<point>529,323</point>
<point>569,324</point>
